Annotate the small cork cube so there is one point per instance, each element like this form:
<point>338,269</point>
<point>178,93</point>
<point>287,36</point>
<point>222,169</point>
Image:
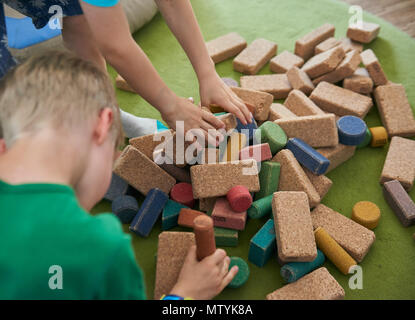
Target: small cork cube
<point>262,244</point>
<point>285,61</point>
<point>324,62</point>
<point>255,56</point>
<point>224,216</point>
<point>374,68</point>
<point>365,33</point>
<point>326,45</point>
<point>279,111</point>
<point>275,84</point>
<point>337,155</point>
<point>400,202</point>
<point>260,100</point>
<point>305,46</point>
<point>359,82</point>
<point>299,80</point>
<point>225,47</point>
<point>301,105</point>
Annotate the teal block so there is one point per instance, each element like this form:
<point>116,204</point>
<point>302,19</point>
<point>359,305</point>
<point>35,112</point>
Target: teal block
<point>243,273</point>
<point>269,177</point>
<point>263,244</point>
<point>261,208</point>
<point>226,237</point>
<point>170,214</point>
<point>293,271</point>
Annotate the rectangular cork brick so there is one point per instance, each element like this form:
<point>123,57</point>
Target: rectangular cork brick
<point>142,173</point>
<point>229,120</point>
<point>305,46</point>
<point>299,80</point>
<point>395,111</point>
<point>345,69</point>
<point>324,62</point>
<point>293,227</point>
<point>293,177</point>
<point>366,34</point>
<point>260,100</point>
<point>147,144</point>
<point>400,162</point>
<point>353,237</point>
<point>279,111</point>
<point>317,131</point>
<point>326,45</point>
<point>255,56</point>
<point>223,216</point>
<point>120,83</point>
<point>171,253</point>
<point>275,84</point>
<point>321,183</point>
<point>359,82</point>
<point>301,105</point>
<point>400,202</point>
<point>285,61</point>
<point>374,68</point>
<point>342,102</point>
<point>317,285</point>
<point>337,155</point>
<point>214,180</point>
<point>225,47</point>
<point>349,45</point>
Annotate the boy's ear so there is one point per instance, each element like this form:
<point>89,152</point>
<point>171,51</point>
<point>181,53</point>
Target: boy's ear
<point>103,125</point>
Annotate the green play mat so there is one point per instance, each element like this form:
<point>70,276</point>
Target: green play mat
<point>389,267</point>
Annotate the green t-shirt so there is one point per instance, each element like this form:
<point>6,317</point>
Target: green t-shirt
<point>49,242</point>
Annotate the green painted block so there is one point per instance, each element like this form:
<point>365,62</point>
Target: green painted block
<point>226,237</point>
<point>269,176</point>
<point>271,133</point>
<point>263,244</point>
<point>366,141</point>
<point>170,214</point>
<point>261,208</point>
<point>243,274</point>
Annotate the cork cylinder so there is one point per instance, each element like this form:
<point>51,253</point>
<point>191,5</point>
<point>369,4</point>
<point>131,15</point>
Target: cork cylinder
<point>205,237</point>
<point>333,251</point>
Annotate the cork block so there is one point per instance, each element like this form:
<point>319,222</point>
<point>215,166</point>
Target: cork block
<point>321,183</point>
<point>118,187</point>
<point>214,180</point>
<point>324,62</point>
<point>305,46</point>
<point>337,155</point>
<point>229,120</point>
<point>171,253</point>
<point>293,271</point>
<point>224,216</point>
<point>365,33</point>
<point>121,84</point>
<point>299,80</point>
<point>285,61</point>
<point>400,162</point>
<point>293,177</point>
<point>268,179</point>
<point>260,100</point>
<point>345,69</point>
<point>187,216</point>
<point>349,45</point>
<point>275,84</point>
<point>236,142</point>
<point>262,244</point>
<point>339,101</point>
<point>353,237</point>
<point>301,105</point>
<point>400,202</point>
<point>226,237</point>
<point>293,227</point>
<point>279,111</point>
<point>326,45</point>
<point>225,47</point>
<point>180,174</point>
<point>255,56</point>
<point>142,173</point>
<point>395,111</point>
<point>359,82</point>
<point>149,143</point>
<point>374,68</point>
<point>317,285</point>
<point>258,152</point>
<point>317,131</point>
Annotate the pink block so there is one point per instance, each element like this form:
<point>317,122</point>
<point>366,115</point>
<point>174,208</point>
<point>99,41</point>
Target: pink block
<point>223,216</point>
<point>258,152</point>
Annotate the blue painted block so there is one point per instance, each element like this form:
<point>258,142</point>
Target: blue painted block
<point>263,244</point>
<point>293,271</point>
<point>125,208</point>
<point>352,130</point>
<point>308,156</point>
<point>170,214</point>
<point>248,130</point>
<point>118,187</point>
<point>149,212</point>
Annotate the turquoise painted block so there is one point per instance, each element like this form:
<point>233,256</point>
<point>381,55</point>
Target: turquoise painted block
<point>170,214</point>
<point>263,244</point>
<point>293,271</point>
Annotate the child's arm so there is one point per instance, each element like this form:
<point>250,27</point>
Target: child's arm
<point>205,279</point>
<point>181,20</point>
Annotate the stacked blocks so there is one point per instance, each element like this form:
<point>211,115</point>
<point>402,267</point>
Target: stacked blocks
<point>223,216</point>
<point>183,194</point>
<point>125,208</point>
<point>268,179</point>
<point>271,133</point>
<point>149,212</point>
<point>293,271</point>
<point>239,198</point>
<point>366,213</point>
<point>258,152</point>
<point>226,237</point>
<point>187,217</point>
<point>352,130</point>
<point>326,45</point>
<point>379,136</point>
<point>170,214</point>
<point>400,202</point>
<point>324,62</point>
<point>243,272</point>
<point>308,156</point>
<point>261,208</point>
<point>262,244</point>
<point>205,238</point>
<point>117,188</point>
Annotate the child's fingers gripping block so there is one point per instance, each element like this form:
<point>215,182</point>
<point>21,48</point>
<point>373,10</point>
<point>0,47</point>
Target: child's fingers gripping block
<point>183,193</point>
<point>170,214</point>
<point>205,237</point>
<point>366,213</point>
<point>262,244</point>
<point>187,217</point>
<point>125,208</point>
<point>293,271</point>
<point>243,273</point>
<point>261,208</point>
<point>352,130</point>
<point>239,198</point>
<point>149,212</point>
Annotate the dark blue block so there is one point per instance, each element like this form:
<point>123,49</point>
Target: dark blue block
<point>352,130</point>
<point>149,212</point>
<point>118,187</point>
<point>308,156</point>
<point>125,208</point>
<point>248,130</point>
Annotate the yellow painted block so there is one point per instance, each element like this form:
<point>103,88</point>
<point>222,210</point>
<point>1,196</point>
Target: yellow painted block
<point>366,213</point>
<point>236,142</point>
<point>379,136</point>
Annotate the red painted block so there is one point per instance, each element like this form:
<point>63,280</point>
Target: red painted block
<point>183,194</point>
<point>258,152</point>
<point>186,217</point>
<point>223,216</point>
<point>239,198</point>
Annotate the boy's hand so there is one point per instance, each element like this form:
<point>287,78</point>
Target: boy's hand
<point>203,280</point>
<point>214,91</point>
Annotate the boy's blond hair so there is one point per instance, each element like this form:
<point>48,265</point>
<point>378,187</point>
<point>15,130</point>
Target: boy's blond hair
<point>56,89</point>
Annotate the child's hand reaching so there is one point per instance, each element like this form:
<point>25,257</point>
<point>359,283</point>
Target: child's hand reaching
<point>203,280</point>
